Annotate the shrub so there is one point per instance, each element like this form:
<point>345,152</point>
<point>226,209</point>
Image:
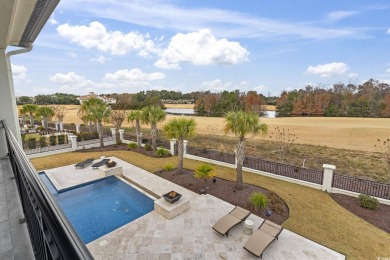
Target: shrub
<point>61,139</point>
<point>168,167</point>
<point>32,143</point>
<point>258,200</point>
<point>148,147</point>
<point>162,152</point>
<point>42,141</point>
<point>84,136</point>
<point>41,128</point>
<point>131,146</point>
<point>204,171</point>
<point>368,202</point>
<point>53,140</point>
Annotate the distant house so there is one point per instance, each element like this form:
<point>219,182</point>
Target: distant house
<point>106,100</point>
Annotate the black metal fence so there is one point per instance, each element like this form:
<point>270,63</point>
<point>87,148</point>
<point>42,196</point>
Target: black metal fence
<point>48,148</point>
<point>299,173</point>
<point>211,154</point>
<point>51,235</point>
<point>372,188</point>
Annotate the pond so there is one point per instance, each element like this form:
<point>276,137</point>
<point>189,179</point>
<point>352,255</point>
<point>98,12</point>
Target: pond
<point>190,111</point>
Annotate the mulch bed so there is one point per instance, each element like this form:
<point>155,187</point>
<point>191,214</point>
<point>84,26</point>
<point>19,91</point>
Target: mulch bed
<point>226,191</point>
<point>379,217</point>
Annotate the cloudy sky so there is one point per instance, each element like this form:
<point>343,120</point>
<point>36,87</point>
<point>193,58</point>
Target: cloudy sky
<point>120,46</point>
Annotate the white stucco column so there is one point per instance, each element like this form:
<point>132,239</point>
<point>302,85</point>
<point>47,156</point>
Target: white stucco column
<point>121,134</point>
<point>8,111</point>
<point>73,140</point>
<point>61,126</point>
<point>172,145</point>
<point>113,132</point>
<point>57,126</point>
<point>185,143</point>
<point>77,129</point>
<point>328,177</point>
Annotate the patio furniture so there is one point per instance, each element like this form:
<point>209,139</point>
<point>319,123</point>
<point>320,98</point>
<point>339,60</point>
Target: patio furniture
<point>83,163</point>
<point>100,163</point>
<point>235,217</point>
<point>262,238</point>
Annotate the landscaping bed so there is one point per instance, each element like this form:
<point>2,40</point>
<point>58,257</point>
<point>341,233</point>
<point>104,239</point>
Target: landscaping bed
<point>379,217</point>
<point>226,191</point>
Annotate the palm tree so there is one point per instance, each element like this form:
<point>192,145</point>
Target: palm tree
<point>152,116</point>
<point>135,117</point>
<point>30,109</point>
<point>95,110</point>
<point>241,124</point>
<point>22,115</point>
<point>45,113</point>
<point>181,129</point>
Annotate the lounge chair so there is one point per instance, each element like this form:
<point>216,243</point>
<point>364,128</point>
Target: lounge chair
<point>83,163</point>
<point>262,238</point>
<point>98,164</point>
<point>235,217</point>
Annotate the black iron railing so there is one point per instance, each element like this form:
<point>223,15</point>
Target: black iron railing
<point>212,154</point>
<point>372,188</point>
<point>51,235</point>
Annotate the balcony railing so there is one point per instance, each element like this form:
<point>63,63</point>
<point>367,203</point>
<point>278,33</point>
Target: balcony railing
<point>51,234</point>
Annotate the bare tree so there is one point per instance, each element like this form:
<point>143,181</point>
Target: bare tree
<point>384,147</point>
<point>59,112</point>
<point>117,118</point>
<point>284,139</point>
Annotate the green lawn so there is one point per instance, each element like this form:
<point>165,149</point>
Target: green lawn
<point>313,213</point>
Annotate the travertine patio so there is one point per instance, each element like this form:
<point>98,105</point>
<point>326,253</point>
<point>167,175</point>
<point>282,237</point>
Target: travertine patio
<point>189,235</point>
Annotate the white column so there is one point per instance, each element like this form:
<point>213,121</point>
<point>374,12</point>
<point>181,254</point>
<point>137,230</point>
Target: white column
<point>121,134</point>
<point>113,132</point>
<point>185,142</point>
<point>77,129</point>
<point>8,111</point>
<point>172,145</point>
<point>61,126</point>
<point>57,127</point>
<point>73,140</point>
<point>328,177</point>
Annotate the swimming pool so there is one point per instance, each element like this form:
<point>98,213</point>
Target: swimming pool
<point>100,207</point>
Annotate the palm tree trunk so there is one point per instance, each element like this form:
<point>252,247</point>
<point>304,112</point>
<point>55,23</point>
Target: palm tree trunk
<point>180,155</point>
<point>100,132</point>
<point>118,138</point>
<point>138,133</point>
<point>45,123</point>
<point>153,132</point>
<point>240,161</point>
<point>31,120</point>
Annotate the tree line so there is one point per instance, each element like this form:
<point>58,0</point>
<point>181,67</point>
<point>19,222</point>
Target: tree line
<point>369,99</point>
<point>53,99</point>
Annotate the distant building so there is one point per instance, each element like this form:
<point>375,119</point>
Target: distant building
<point>106,100</point>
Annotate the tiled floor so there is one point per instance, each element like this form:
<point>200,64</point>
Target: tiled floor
<point>189,235</point>
<point>14,239</point>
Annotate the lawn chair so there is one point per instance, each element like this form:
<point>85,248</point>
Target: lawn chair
<point>83,163</point>
<point>235,217</point>
<point>262,238</point>
<point>98,164</point>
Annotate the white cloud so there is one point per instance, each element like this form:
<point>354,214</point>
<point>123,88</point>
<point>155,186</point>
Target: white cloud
<point>329,69</point>
<point>353,75</point>
<point>215,85</point>
<point>388,70</point>
<point>133,75</point>
<point>201,48</point>
<point>70,78</point>
<point>52,20</point>
<point>100,59</point>
<point>72,54</point>
<point>18,72</point>
<point>96,36</point>
<point>261,88</point>
<point>388,31</point>
<point>339,15</point>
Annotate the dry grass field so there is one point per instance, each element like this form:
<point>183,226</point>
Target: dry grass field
<point>344,133</point>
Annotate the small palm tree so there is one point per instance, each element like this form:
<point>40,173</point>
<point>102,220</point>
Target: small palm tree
<point>242,124</point>
<point>180,128</point>
<point>135,117</point>
<point>205,172</point>
<point>45,113</point>
<point>152,116</point>
<point>30,109</point>
<point>95,110</point>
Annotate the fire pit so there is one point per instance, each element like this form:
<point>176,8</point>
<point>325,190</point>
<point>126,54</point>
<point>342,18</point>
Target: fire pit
<point>172,196</point>
<point>110,164</point>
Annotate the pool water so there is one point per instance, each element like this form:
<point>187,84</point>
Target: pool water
<point>100,207</point>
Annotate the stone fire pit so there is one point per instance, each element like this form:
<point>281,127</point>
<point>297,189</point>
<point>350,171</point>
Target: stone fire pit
<point>172,196</point>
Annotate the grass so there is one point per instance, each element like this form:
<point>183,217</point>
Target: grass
<point>313,214</point>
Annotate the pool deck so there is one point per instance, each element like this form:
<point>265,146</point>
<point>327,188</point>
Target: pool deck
<point>187,236</point>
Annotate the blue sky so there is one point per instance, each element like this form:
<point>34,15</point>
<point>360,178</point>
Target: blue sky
<point>109,46</point>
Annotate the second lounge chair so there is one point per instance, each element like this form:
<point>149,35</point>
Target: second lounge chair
<point>98,164</point>
<point>262,238</point>
<point>235,217</point>
<point>83,163</point>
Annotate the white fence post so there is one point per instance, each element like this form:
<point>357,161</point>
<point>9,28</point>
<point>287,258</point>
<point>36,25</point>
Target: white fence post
<point>121,134</point>
<point>61,126</point>
<point>185,142</point>
<point>172,145</point>
<point>328,177</point>
<point>73,140</point>
<point>113,132</point>
<point>77,129</point>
